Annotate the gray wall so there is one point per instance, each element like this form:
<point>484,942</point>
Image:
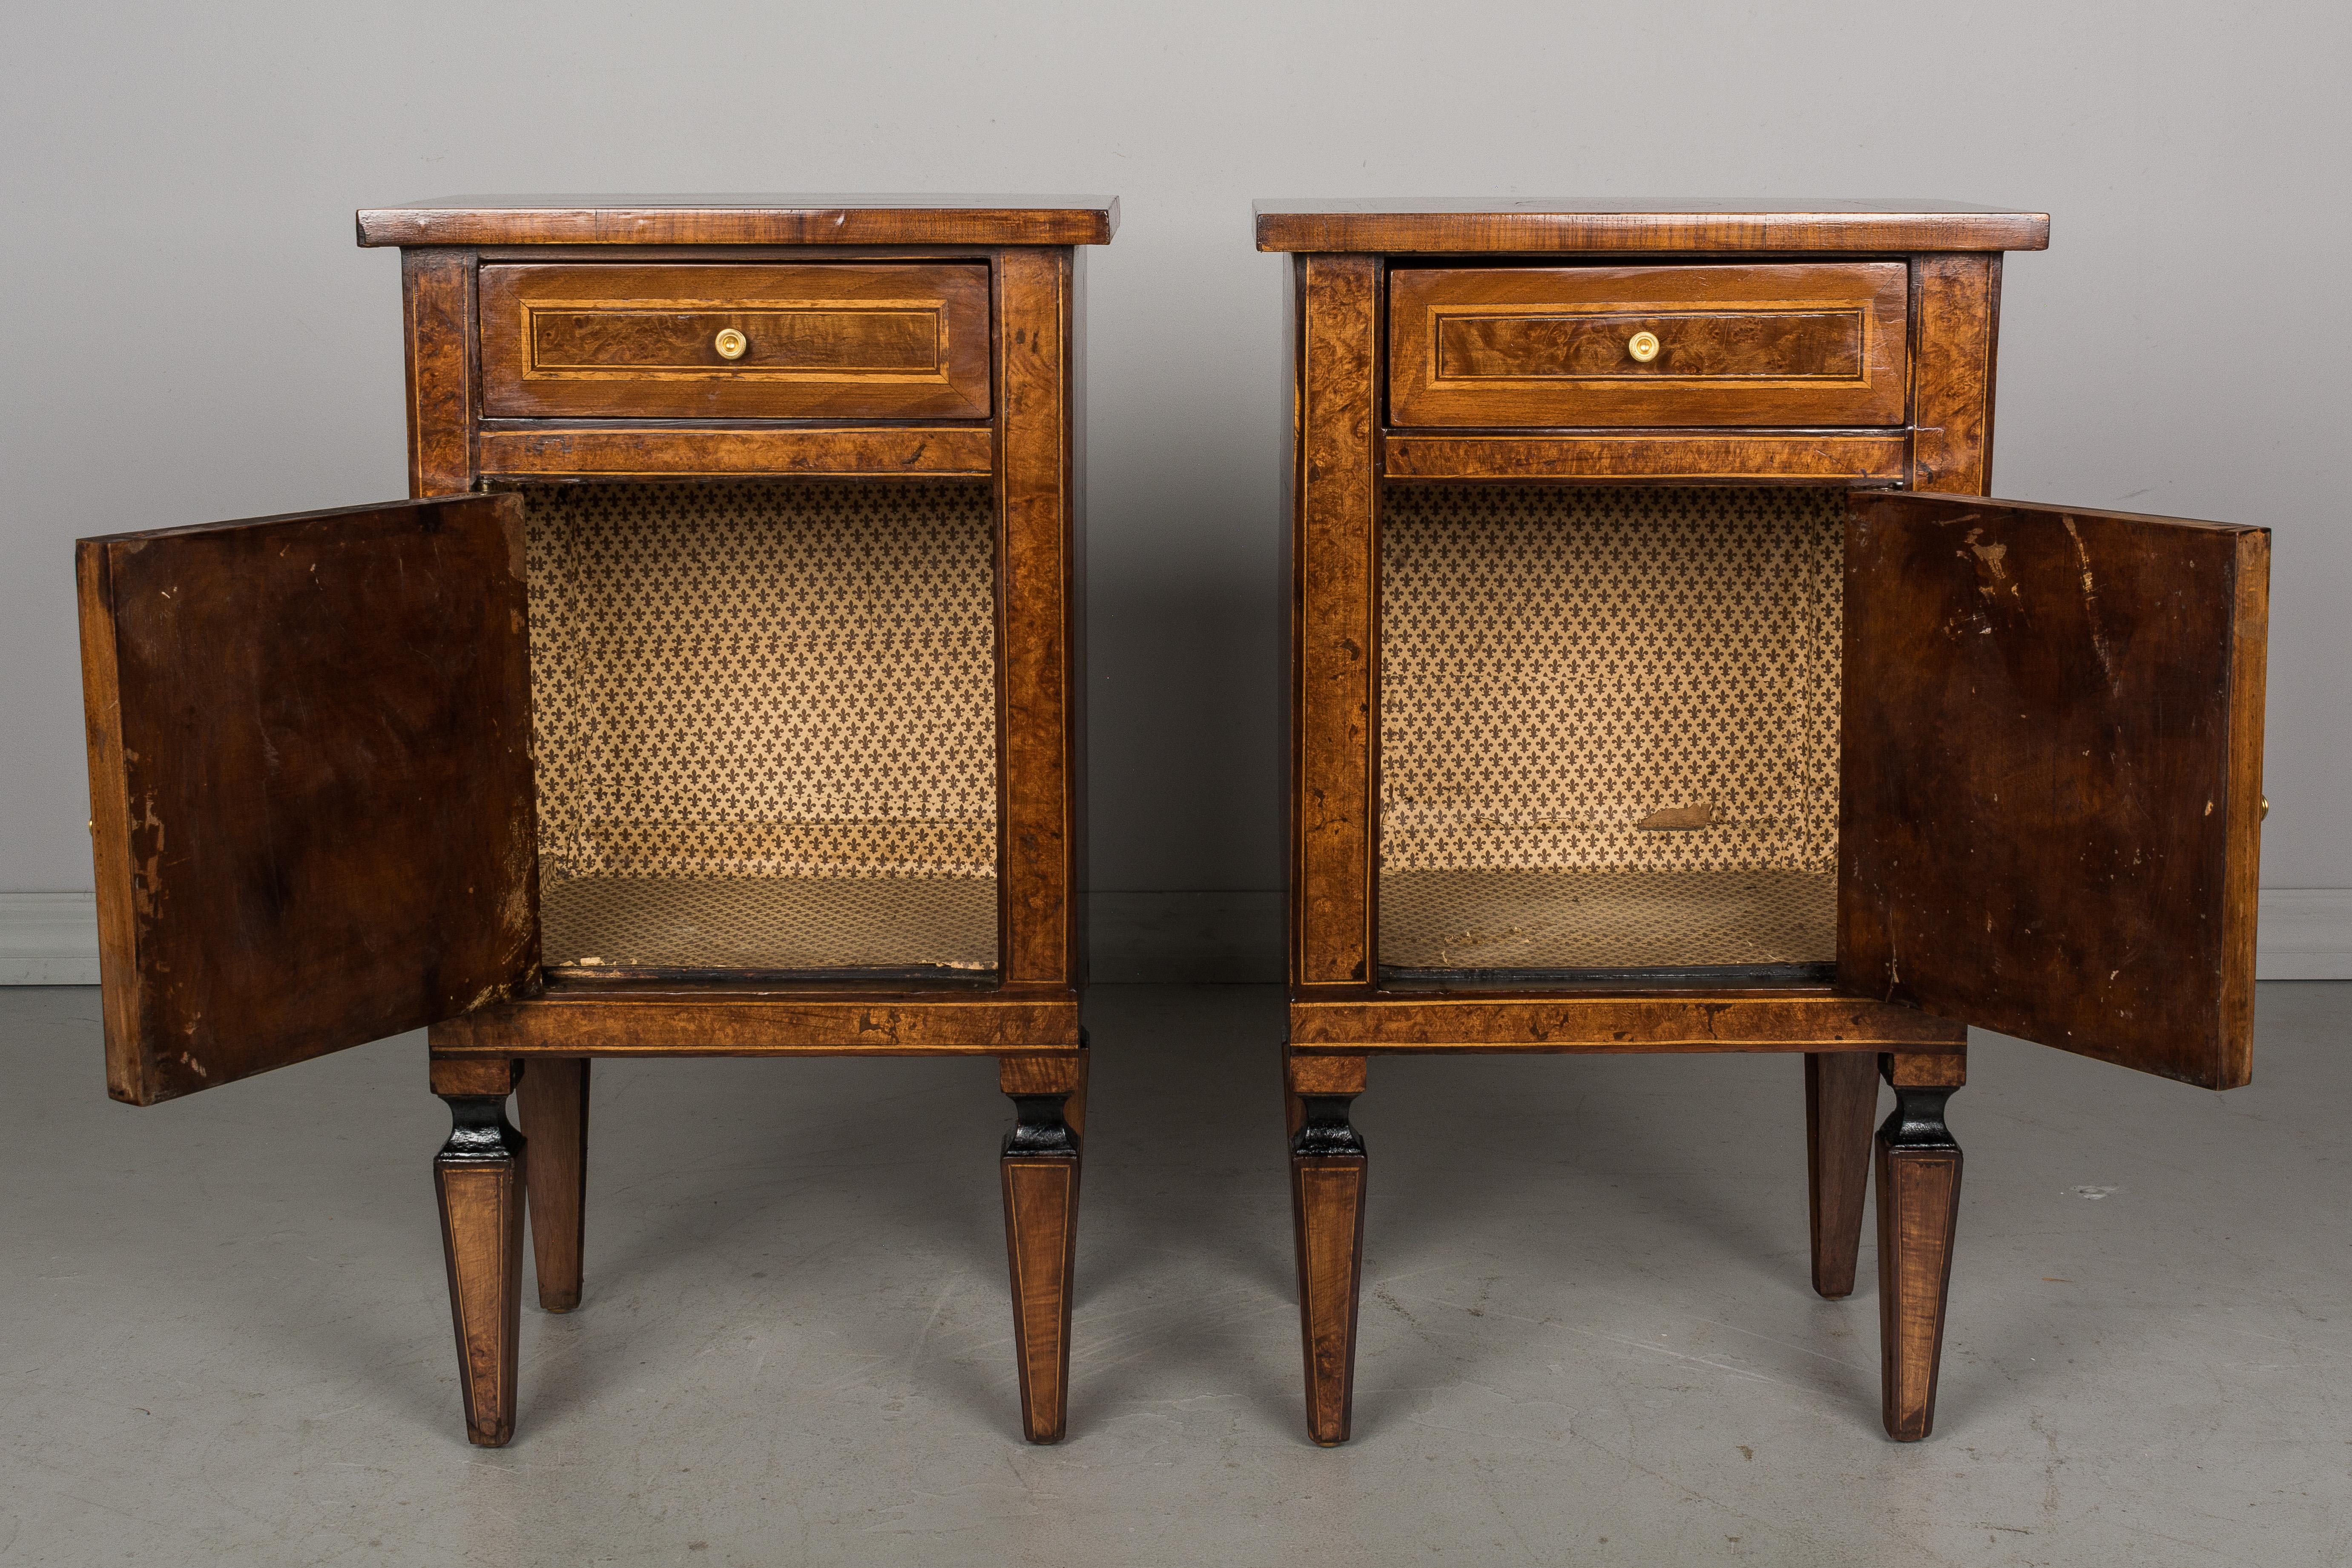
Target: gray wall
<point>191,334</point>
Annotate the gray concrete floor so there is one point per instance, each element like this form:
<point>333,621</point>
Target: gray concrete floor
<point>1587,1333</point>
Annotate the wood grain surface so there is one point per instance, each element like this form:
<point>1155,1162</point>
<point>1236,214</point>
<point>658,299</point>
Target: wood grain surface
<point>2051,803</point>
<point>310,781</point>
<point>1958,309</point>
<point>790,219</point>
<point>692,451</point>
<point>719,1019</point>
<point>1707,1021</point>
<point>1795,344</point>
<point>1334,623</point>
<point>438,311</point>
<point>1062,1073</point>
<point>1040,631</point>
<point>1919,1168</point>
<point>1422,227</point>
<point>1327,1196</point>
<point>1840,1113</point>
<point>822,341</point>
<point>1759,343</point>
<point>1058,1072</point>
<point>1647,457</point>
<point>478,1176</point>
<point>1324,1075</point>
<point>1041,1235</point>
<point>1907,1069</point>
<point>552,1101</point>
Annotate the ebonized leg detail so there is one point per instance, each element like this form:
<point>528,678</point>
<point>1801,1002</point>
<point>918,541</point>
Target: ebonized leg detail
<point>1918,1205</point>
<point>1326,1204</point>
<point>479,1175</point>
<point>553,1101</point>
<point>1841,1098</point>
<point>1040,1167</point>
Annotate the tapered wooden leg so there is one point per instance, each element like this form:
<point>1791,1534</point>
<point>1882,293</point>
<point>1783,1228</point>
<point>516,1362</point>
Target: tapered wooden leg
<point>1918,1205</point>
<point>1040,1167</point>
<point>1328,1171</point>
<point>479,1175</point>
<point>553,1102</point>
<point>1840,1102</point>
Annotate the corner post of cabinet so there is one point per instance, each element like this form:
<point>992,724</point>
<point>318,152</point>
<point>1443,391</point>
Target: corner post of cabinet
<point>1332,747</point>
<point>1958,327</point>
<point>1073,618</point>
<point>1040,755</point>
<point>443,325</point>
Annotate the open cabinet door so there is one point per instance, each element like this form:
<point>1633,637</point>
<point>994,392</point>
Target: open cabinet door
<point>311,785</point>
<point>2051,803</point>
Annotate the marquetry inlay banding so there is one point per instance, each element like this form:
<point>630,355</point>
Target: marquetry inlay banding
<point>785,339</point>
<point>736,341</point>
<point>1754,345</point>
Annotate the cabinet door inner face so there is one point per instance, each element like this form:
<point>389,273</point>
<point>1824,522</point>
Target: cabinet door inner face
<point>1609,730</point>
<point>309,784</point>
<point>2053,802</point>
<point>764,718</point>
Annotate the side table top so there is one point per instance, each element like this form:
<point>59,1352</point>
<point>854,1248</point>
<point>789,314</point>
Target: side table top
<point>1441,226</point>
<point>743,220</point>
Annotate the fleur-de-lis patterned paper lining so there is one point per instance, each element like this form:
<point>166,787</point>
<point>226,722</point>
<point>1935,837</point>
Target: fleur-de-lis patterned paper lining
<point>766,680</point>
<point>1559,664</point>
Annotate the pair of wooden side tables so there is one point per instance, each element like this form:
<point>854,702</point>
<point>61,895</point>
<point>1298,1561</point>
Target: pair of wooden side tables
<point>1658,681</point>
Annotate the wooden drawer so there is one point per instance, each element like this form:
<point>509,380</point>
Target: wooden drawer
<point>1799,343</point>
<point>825,341</point>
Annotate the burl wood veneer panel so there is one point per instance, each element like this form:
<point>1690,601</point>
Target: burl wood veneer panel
<point>1760,344</point>
<point>822,341</point>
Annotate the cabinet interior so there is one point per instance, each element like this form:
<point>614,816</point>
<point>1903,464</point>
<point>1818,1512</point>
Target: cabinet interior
<point>764,719</point>
<point>1609,730</point>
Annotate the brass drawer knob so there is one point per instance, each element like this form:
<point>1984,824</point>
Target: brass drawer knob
<point>1643,346</point>
<point>730,344</point>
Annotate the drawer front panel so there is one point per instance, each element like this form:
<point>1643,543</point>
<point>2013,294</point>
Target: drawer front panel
<point>838,340</point>
<point>1568,347</point>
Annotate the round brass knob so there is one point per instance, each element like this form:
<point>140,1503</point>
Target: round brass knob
<point>730,344</point>
<point>1643,346</point>
<point>2267,810</point>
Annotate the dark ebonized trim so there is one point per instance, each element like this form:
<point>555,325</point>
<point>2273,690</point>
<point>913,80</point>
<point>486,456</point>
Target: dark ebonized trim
<point>479,1129</point>
<point>1039,1132</point>
<point>1917,1121</point>
<point>1326,1131</point>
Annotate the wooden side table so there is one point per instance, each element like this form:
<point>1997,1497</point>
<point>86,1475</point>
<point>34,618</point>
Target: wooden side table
<point>1659,682</point>
<point>717,690</point>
